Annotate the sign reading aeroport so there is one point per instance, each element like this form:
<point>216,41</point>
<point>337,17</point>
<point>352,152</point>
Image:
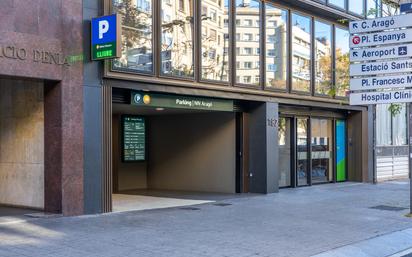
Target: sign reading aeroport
<point>381,66</point>
<point>380,53</point>
<point>106,37</point>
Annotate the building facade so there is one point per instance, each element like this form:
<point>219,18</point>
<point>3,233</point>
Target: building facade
<point>222,96</point>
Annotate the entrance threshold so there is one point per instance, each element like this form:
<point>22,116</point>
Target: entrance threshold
<point>137,200</point>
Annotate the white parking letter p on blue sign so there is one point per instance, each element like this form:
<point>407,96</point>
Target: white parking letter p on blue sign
<point>103,28</point>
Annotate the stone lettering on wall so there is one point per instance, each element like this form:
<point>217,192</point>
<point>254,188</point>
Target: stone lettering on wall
<point>36,55</point>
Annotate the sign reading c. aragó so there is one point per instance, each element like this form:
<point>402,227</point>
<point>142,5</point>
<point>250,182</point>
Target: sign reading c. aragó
<point>392,22</point>
<point>381,97</point>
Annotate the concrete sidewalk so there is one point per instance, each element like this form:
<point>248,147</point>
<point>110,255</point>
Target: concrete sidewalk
<point>295,222</point>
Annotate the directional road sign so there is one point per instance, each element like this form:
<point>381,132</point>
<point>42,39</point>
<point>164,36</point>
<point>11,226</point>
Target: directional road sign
<point>381,53</point>
<point>381,82</point>
<point>381,38</point>
<point>380,24</point>
<point>381,97</point>
<point>375,68</point>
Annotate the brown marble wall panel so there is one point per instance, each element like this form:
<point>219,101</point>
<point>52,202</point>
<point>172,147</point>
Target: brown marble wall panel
<point>52,26</point>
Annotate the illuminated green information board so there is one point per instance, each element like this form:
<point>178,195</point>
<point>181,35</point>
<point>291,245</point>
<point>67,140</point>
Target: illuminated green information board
<point>134,138</point>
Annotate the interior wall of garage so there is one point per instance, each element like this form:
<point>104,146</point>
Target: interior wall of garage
<point>22,143</point>
<point>127,176</point>
<point>193,152</point>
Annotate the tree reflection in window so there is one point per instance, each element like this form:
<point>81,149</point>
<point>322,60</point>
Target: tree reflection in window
<point>177,38</point>
<point>137,35</point>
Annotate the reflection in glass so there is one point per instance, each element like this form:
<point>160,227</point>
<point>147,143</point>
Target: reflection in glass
<point>137,35</point>
<point>302,167</point>
<point>321,143</point>
<point>400,127</point>
<point>338,3</point>
<point>371,9</point>
<point>177,38</point>
<point>323,58</point>
<point>276,47</point>
<point>284,152</point>
<point>383,125</point>
<point>247,16</point>
<point>356,6</point>
<point>215,40</point>
<point>301,53</point>
<point>342,61</point>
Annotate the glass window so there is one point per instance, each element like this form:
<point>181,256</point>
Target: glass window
<point>323,58</point>
<point>399,121</point>
<point>356,6</point>
<point>341,61</point>
<point>391,124</point>
<point>302,152</point>
<point>321,144</point>
<point>371,9</point>
<point>389,8</point>
<point>217,41</point>
<point>177,38</point>
<point>383,125</point>
<point>276,47</point>
<point>338,3</point>
<point>285,152</point>
<point>247,11</point>
<point>137,36</point>
<point>301,51</point>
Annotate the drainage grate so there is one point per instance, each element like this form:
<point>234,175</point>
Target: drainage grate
<point>189,208</point>
<point>222,204</point>
<point>388,208</point>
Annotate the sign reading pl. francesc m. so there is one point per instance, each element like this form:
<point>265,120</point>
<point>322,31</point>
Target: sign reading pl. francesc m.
<point>106,37</point>
<point>180,102</point>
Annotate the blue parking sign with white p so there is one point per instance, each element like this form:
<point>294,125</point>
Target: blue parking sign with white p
<point>106,37</point>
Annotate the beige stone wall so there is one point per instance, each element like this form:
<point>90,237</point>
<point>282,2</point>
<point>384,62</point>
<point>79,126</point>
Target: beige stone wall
<point>21,143</point>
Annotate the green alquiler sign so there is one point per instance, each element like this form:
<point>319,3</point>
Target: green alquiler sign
<point>159,100</point>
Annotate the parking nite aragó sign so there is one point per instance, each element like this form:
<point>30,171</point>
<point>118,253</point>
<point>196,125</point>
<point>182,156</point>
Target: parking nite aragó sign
<point>106,37</point>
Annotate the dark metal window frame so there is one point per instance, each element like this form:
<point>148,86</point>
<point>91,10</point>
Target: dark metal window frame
<point>156,75</point>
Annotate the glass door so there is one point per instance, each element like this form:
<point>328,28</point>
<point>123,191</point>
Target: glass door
<point>302,152</point>
<point>285,152</point>
<point>321,151</point>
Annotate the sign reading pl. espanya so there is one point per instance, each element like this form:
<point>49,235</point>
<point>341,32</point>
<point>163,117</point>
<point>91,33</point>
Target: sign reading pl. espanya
<point>106,37</point>
<point>381,67</point>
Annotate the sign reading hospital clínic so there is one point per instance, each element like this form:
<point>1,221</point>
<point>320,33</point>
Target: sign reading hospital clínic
<point>106,37</point>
